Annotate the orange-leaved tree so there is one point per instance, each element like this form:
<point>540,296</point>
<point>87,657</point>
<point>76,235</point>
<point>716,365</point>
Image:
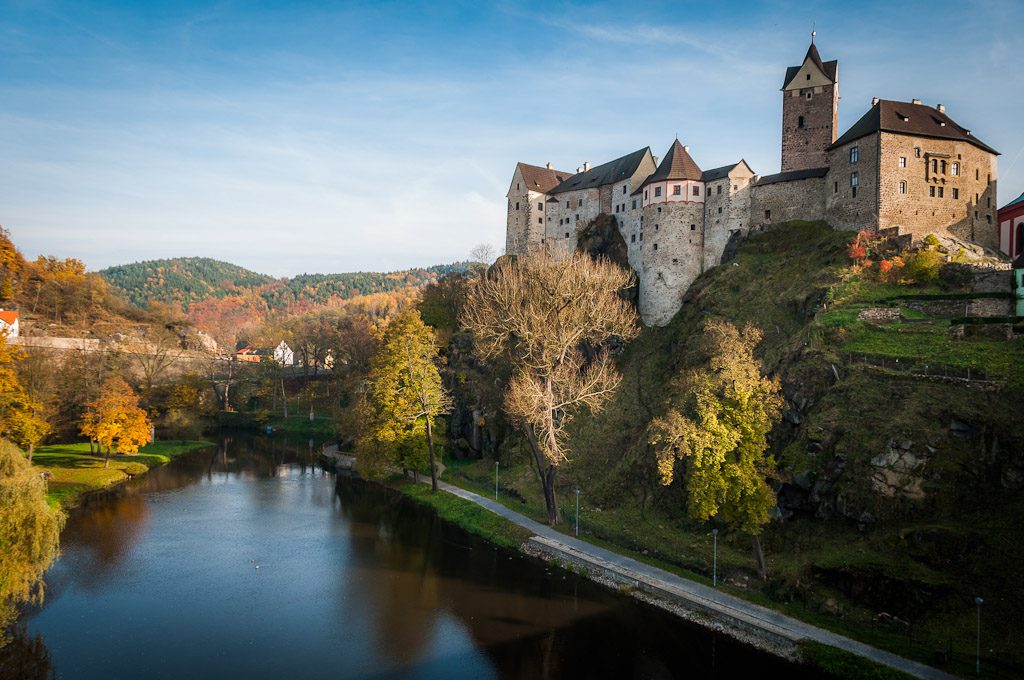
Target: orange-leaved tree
<point>21,418</point>
<point>114,419</point>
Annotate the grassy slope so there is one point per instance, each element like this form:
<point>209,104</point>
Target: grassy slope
<point>75,471</point>
<point>796,285</point>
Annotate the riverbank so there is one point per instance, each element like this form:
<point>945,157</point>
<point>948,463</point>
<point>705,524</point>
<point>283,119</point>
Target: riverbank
<point>767,629</point>
<point>75,471</point>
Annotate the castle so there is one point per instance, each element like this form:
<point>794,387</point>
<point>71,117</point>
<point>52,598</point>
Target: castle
<point>903,165</point>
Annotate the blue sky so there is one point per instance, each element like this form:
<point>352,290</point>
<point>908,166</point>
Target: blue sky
<point>301,137</point>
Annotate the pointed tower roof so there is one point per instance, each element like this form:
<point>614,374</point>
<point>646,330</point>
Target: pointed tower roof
<point>828,68</point>
<point>677,164</point>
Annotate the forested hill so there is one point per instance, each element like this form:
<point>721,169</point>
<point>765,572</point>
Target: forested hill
<point>187,280</point>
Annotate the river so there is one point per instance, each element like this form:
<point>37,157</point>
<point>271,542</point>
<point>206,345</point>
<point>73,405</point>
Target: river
<point>249,561</point>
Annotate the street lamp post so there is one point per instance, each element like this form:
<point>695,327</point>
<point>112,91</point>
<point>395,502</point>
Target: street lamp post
<point>714,559</point>
<point>577,512</point>
<point>977,647</point>
<point>495,480</point>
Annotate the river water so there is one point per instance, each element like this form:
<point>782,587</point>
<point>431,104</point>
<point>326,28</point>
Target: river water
<point>248,561</point>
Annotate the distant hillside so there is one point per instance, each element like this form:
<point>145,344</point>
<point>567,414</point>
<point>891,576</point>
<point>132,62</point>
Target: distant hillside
<point>187,280</point>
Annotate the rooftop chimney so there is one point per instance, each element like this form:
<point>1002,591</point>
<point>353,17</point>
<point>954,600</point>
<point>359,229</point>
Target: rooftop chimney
<point>874,101</point>
<point>548,165</point>
<point>686,148</point>
<point>578,170</point>
<point>586,166</point>
<point>655,160</point>
<point>915,101</point>
<point>941,108</point>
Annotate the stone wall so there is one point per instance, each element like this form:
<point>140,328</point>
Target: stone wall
<point>844,208</point>
<point>525,225</point>
<point>671,258</point>
<point>803,146</point>
<point>569,211</point>
<point>727,209</point>
<point>783,201</point>
<point>966,208</point>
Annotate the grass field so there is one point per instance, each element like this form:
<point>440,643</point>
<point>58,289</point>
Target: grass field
<point>75,471</point>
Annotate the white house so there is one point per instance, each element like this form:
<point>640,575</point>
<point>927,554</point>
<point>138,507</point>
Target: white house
<point>284,355</point>
<point>9,323</point>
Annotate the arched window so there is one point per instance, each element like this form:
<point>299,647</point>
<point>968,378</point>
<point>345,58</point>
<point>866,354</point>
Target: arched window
<point>800,122</point>
<point>1020,239</point>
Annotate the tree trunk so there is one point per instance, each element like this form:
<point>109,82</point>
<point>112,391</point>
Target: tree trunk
<point>433,465</point>
<point>547,476</point>
<point>31,450</point>
<point>284,399</point>
<point>762,568</point>
<point>106,460</point>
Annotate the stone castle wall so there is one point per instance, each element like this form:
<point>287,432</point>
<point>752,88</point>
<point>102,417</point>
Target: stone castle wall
<point>783,201</point>
<point>804,146</point>
<point>967,207</point>
<point>844,209</point>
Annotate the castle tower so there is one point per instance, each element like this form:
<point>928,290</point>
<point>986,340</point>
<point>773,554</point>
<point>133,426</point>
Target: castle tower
<point>810,103</point>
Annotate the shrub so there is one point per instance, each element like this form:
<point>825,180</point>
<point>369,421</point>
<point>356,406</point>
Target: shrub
<point>132,469</point>
<point>923,266</point>
<point>932,240</point>
<point>955,275</point>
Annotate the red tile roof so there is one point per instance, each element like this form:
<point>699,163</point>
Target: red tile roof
<point>9,316</point>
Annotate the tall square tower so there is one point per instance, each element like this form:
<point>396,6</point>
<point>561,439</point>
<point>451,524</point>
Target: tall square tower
<point>810,104</point>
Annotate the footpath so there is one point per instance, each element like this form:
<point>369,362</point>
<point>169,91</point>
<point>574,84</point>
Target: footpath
<point>720,606</point>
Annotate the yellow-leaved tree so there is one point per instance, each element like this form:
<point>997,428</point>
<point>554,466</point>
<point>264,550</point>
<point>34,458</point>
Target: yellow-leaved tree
<point>21,416</point>
<point>720,433</point>
<point>114,419</point>
<point>405,397</point>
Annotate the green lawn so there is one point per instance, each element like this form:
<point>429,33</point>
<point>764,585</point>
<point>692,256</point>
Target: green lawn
<point>75,471</point>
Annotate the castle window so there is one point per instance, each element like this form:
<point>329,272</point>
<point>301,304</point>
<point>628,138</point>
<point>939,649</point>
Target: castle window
<point>634,204</point>
<point>977,174</point>
<point>567,234</point>
<point>719,189</point>
<point>808,94</point>
<point>633,239</point>
<point>540,220</point>
<point>854,192</point>
<point>956,168</point>
<point>693,227</point>
<point>656,227</point>
<point>956,193</point>
<point>540,206</point>
<point>655,246</point>
<point>645,194</point>
<point>623,189</point>
<point>641,236</point>
<point>942,167</point>
<point>616,208</point>
<point>677,190</point>
<point>903,187</point>
<point>517,205</point>
<point>835,187</point>
<point>903,161</point>
<point>988,218</point>
<point>854,153</point>
<point>719,210</point>
<point>767,214</point>
<point>917,152</point>
<point>940,192</point>
<point>567,204</point>
<point>854,179</point>
<point>577,218</point>
<point>657,191</point>
<point>935,165</point>
<point>659,210</point>
<point>931,191</point>
<point>675,260</point>
<point>517,186</point>
<point>988,202</point>
<point>696,191</point>
<point>800,122</point>
<point>808,76</point>
<point>579,204</point>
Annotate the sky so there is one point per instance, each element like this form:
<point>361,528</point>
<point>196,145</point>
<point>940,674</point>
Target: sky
<point>292,137</point>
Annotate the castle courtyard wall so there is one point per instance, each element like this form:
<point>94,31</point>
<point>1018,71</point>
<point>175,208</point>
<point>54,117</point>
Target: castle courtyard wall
<point>783,201</point>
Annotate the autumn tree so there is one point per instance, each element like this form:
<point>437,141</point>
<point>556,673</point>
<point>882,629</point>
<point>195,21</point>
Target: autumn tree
<point>716,440</point>
<point>29,533</point>
<point>405,395</point>
<point>553,320</point>
<point>114,419</point>
<point>21,416</point>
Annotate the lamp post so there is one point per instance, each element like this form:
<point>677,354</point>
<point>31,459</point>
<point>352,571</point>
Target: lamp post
<point>495,480</point>
<point>977,647</point>
<point>577,512</point>
<point>714,559</point>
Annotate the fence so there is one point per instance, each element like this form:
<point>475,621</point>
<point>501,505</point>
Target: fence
<point>919,367</point>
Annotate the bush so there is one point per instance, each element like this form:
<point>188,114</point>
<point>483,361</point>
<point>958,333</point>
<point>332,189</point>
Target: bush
<point>932,240</point>
<point>133,469</point>
<point>955,275</point>
<point>923,266</point>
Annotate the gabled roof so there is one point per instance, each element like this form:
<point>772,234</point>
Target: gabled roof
<point>908,118</point>
<point>718,173</point>
<point>677,164</point>
<point>8,316</point>
<point>826,67</point>
<point>607,173</point>
<point>792,176</point>
<point>541,179</point>
<point>1015,202</point>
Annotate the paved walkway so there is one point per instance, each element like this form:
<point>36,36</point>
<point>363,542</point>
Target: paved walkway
<point>698,595</point>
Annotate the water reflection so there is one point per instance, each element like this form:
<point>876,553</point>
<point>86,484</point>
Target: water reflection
<point>247,560</point>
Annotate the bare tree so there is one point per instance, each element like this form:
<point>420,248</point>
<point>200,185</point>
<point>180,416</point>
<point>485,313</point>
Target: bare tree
<point>482,253</point>
<point>554,320</point>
